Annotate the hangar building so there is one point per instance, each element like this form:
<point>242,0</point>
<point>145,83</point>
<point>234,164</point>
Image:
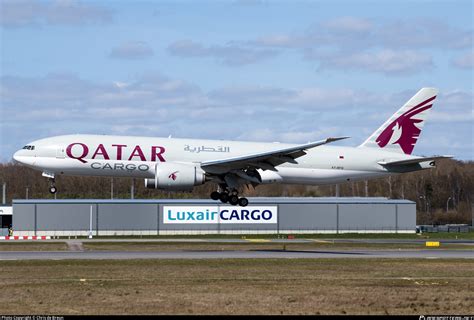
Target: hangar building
<point>196,216</point>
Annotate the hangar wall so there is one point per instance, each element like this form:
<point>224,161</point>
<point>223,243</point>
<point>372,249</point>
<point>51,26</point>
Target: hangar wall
<point>263,215</point>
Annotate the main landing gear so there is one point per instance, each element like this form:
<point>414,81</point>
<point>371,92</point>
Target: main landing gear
<point>231,197</point>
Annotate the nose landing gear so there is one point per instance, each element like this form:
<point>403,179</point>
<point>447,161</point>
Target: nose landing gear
<point>52,182</point>
<point>52,186</point>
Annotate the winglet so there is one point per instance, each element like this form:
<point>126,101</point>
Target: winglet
<point>310,145</point>
<point>329,140</point>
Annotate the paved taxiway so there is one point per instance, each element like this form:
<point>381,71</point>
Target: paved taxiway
<point>250,254</point>
<point>247,240</point>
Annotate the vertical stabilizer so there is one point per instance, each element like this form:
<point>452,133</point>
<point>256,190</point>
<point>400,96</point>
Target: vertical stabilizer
<point>402,130</point>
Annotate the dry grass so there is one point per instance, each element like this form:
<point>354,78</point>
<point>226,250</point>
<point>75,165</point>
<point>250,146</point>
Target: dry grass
<point>33,246</point>
<point>300,286</point>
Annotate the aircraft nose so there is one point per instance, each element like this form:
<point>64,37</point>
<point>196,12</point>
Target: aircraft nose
<point>16,156</point>
<point>21,157</point>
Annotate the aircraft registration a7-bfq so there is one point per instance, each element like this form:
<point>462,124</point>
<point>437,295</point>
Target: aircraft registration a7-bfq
<point>181,164</point>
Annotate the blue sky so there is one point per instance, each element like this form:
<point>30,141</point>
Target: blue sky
<point>289,71</point>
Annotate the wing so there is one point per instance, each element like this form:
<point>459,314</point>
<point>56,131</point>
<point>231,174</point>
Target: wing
<point>265,160</point>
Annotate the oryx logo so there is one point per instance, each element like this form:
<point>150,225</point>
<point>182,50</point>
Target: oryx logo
<point>404,130</point>
<point>173,176</point>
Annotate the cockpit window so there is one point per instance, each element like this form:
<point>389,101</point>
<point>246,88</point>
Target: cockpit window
<point>29,147</point>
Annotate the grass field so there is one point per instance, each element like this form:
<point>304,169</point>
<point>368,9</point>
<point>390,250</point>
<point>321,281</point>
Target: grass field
<point>32,246</point>
<point>219,246</point>
<point>299,286</point>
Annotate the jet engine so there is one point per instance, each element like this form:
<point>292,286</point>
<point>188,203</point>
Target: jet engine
<point>176,176</point>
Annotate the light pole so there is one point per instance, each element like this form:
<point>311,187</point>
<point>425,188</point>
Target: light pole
<point>4,193</point>
<point>426,202</point>
<point>90,224</point>
<point>447,204</point>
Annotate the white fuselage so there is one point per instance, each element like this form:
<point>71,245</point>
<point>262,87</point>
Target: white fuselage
<point>129,156</point>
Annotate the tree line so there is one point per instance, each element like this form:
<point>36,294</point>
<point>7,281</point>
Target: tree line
<point>443,194</point>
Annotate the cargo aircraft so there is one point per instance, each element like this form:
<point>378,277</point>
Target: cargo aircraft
<point>181,164</point>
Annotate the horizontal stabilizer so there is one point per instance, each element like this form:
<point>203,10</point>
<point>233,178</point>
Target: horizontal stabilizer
<point>411,161</point>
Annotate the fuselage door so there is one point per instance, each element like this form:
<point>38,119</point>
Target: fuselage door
<point>60,152</point>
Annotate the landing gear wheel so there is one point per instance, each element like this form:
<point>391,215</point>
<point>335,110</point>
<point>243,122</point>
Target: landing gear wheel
<point>233,200</point>
<point>243,202</point>
<point>52,185</point>
<point>215,195</point>
<point>224,197</point>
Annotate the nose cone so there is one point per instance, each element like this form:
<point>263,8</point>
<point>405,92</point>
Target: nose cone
<point>21,157</point>
<point>16,156</point>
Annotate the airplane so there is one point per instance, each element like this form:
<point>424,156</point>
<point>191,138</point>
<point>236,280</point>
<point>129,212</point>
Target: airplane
<point>181,164</point>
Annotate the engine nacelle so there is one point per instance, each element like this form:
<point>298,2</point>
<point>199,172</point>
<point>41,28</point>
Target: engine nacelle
<point>176,176</point>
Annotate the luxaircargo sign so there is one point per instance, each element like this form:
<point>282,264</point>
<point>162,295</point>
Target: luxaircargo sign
<point>220,214</point>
